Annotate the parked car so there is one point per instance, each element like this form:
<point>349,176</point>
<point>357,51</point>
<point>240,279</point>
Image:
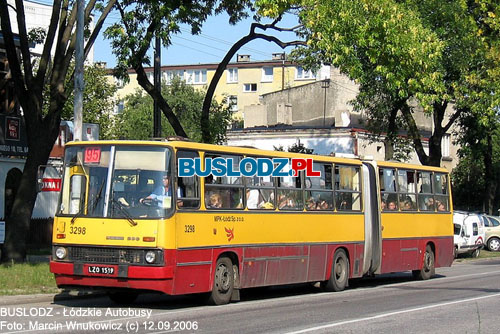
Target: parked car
<point>469,233</point>
<point>492,228</point>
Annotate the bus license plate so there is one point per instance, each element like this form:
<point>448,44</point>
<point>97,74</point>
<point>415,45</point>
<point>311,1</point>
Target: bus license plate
<point>101,270</point>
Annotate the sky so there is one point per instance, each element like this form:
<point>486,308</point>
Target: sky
<point>216,38</point>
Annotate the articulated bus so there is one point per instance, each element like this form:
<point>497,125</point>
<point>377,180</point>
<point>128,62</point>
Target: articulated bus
<point>220,234</point>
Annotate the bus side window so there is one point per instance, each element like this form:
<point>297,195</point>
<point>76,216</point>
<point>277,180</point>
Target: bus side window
<point>259,192</point>
<point>224,192</point>
<point>188,187</point>
<point>388,194</point>
<point>407,196</point>
<point>289,196</point>
<point>441,196</point>
<point>347,188</point>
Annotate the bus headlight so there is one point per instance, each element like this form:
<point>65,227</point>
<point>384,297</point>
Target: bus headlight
<point>150,257</point>
<point>61,253</point>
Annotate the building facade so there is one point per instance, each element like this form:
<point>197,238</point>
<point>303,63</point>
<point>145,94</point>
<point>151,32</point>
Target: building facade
<point>242,83</point>
<point>320,116</point>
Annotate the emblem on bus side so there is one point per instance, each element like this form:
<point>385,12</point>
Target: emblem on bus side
<point>229,233</point>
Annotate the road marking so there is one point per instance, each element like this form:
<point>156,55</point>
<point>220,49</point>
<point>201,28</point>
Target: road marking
<point>384,315</point>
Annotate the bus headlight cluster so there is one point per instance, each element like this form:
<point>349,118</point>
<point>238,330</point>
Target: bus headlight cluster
<point>61,253</point>
<point>150,257</point>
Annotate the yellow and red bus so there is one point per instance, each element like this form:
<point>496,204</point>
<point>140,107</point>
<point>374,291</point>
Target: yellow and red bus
<point>221,234</point>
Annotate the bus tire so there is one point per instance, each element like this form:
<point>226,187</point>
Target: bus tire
<point>123,297</point>
<point>428,269</point>
<point>223,286</point>
<point>339,276</point>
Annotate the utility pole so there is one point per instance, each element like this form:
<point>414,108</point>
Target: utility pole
<point>157,84</point>
<point>79,83</point>
<point>325,84</point>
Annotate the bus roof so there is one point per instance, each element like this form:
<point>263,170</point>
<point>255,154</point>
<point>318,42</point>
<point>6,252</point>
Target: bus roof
<point>251,151</point>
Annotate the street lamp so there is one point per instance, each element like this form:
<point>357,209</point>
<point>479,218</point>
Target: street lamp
<point>325,84</point>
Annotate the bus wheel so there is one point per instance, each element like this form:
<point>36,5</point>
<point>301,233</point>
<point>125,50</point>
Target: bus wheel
<point>427,270</point>
<point>223,282</point>
<point>123,297</point>
<point>339,276</point>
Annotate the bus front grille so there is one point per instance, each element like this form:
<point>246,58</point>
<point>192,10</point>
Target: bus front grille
<point>111,255</point>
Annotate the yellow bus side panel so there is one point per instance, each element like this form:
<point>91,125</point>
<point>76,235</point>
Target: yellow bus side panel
<point>204,229</point>
<point>413,225</point>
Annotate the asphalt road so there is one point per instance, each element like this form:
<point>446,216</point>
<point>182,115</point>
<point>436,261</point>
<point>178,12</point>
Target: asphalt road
<point>462,299</point>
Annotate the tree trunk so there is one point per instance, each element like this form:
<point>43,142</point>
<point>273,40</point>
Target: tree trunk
<point>391,134</point>
<point>17,225</point>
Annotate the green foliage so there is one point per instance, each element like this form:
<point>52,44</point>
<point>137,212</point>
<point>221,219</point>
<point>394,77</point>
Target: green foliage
<point>468,184</point>
<point>98,101</point>
<point>432,51</point>
<point>141,20</point>
<point>298,147</point>
<point>135,122</point>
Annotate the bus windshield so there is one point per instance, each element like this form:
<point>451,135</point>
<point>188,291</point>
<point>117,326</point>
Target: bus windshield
<point>117,182</point>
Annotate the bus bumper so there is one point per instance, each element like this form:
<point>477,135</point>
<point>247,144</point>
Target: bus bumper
<point>137,277</point>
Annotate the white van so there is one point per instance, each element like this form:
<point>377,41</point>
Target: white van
<point>469,233</point>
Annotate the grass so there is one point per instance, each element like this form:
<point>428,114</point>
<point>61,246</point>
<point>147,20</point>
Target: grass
<point>26,278</point>
<point>485,254</point>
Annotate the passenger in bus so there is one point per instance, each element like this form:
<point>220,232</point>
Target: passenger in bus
<point>214,201</point>
<point>382,204</point>
<point>285,202</point>
<point>429,204</point>
<point>440,206</point>
<point>392,206</point>
<point>311,204</point>
<point>323,205</point>
<point>407,204</point>
<point>252,198</point>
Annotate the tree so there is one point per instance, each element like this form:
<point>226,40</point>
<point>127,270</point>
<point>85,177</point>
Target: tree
<point>29,82</point>
<point>135,120</point>
<point>437,53</point>
<point>252,35</point>
<point>142,20</point>
<point>98,101</point>
<point>298,147</point>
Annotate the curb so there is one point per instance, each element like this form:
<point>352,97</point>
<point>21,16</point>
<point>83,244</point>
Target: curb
<point>50,297</point>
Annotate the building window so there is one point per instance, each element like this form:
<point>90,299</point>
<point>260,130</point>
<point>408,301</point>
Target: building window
<point>301,74</point>
<point>267,74</point>
<point>445,145</point>
<point>119,107</point>
<point>196,77</point>
<point>168,76</point>
<point>232,75</point>
<point>232,101</point>
<point>250,87</point>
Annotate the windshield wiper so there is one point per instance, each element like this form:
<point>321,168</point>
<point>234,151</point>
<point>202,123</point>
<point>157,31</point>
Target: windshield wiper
<point>92,203</point>
<point>117,204</point>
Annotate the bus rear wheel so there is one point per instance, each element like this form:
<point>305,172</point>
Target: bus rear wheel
<point>223,286</point>
<point>339,277</point>
<point>428,269</point>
